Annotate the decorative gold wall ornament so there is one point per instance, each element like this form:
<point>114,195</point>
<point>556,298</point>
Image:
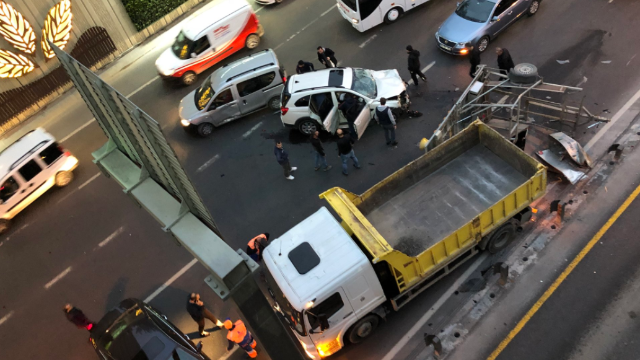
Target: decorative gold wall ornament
<point>57,27</point>
<point>14,65</point>
<point>16,29</point>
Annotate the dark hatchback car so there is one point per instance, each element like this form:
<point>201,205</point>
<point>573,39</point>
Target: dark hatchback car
<point>136,331</point>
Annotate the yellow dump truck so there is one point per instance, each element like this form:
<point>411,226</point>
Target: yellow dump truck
<point>333,281</point>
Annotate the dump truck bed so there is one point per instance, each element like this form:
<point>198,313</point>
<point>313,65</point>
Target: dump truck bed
<point>422,220</point>
<point>434,207</point>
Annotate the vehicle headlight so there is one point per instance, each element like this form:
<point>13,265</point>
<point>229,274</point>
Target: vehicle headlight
<point>355,21</point>
<point>185,123</point>
<point>437,34</point>
<point>166,72</point>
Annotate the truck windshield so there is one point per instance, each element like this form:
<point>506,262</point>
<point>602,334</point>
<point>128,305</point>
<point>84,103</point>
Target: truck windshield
<point>364,83</point>
<point>291,316</point>
<point>204,94</point>
<point>352,4</point>
<point>181,46</point>
<point>475,10</point>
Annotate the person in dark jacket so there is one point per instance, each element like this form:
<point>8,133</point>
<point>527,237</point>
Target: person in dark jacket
<point>321,157</point>
<point>349,107</point>
<point>327,57</point>
<point>414,65</point>
<point>198,312</point>
<point>257,245</point>
<point>505,62</point>
<point>282,156</point>
<point>77,317</point>
<point>384,117</point>
<point>474,59</point>
<point>345,151</point>
<point>304,67</point>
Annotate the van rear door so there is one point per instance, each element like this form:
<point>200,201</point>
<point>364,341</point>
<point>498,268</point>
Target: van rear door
<point>255,92</point>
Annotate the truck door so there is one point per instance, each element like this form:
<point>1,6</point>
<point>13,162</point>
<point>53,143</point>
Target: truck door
<point>338,311</point>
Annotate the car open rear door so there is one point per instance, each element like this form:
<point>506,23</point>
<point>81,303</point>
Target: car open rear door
<point>332,121</point>
<point>363,120</point>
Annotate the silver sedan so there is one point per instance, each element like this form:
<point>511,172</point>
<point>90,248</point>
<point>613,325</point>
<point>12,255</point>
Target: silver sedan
<point>477,22</point>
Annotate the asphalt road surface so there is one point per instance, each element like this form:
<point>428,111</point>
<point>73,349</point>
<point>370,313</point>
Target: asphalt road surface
<point>88,244</point>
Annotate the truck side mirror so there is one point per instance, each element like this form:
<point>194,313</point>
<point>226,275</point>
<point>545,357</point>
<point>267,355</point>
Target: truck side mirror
<point>199,347</point>
<point>324,322</point>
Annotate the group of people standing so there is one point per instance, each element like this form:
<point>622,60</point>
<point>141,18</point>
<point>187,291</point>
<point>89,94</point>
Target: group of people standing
<point>326,56</point>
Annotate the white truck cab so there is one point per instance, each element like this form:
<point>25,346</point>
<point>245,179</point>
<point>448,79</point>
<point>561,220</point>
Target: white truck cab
<point>323,285</point>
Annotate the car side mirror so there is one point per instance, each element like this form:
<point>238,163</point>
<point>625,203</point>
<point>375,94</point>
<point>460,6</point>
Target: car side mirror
<point>324,322</point>
<point>494,19</point>
<point>199,347</point>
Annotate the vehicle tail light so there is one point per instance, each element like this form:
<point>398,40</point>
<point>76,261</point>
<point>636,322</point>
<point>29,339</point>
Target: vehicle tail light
<point>67,153</point>
<point>90,326</point>
<point>283,110</point>
<point>284,79</point>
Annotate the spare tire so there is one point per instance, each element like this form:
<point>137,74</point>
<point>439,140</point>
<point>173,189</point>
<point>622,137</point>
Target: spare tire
<point>524,74</point>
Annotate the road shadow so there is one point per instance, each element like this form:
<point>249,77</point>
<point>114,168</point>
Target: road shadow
<point>115,296</point>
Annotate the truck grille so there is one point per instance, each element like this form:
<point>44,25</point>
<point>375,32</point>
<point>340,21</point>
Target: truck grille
<point>446,42</point>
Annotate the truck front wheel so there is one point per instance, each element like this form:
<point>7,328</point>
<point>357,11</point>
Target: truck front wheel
<point>501,238</point>
<point>363,328</point>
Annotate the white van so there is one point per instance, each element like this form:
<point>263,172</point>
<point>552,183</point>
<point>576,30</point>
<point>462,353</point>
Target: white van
<point>29,167</point>
<point>208,37</point>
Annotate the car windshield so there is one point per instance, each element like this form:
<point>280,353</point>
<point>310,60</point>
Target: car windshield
<point>351,4</point>
<point>475,10</point>
<point>364,83</point>
<point>204,94</point>
<point>181,46</point>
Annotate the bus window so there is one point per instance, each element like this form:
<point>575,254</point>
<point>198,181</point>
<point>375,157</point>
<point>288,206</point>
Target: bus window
<point>367,7</point>
<point>351,4</point>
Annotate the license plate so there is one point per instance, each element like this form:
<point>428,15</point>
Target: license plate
<point>448,48</point>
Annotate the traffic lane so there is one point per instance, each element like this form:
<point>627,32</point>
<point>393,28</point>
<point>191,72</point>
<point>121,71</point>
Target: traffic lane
<point>133,264</point>
<point>568,316</point>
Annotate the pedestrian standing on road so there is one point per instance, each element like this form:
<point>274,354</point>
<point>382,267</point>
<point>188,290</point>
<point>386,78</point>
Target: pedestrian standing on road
<point>384,117</point>
<point>327,57</point>
<point>345,151</point>
<point>349,107</point>
<point>414,65</point>
<point>505,62</point>
<point>321,157</point>
<point>77,317</point>
<point>304,67</point>
<point>257,245</point>
<point>474,59</point>
<point>282,156</point>
<point>238,334</point>
<point>198,312</point>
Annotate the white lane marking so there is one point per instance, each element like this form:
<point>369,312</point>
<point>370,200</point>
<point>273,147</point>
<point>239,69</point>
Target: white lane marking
<point>57,278</point>
<point>208,163</point>
<point>426,68</point>
<point>368,41</point>
<point>331,8</point>
<point>6,317</point>
<point>629,62</point>
<point>254,128</point>
<point>171,280</point>
<point>417,326</point>
<point>88,181</point>
<point>304,28</point>
<point>111,237</point>
<point>583,81</point>
<point>614,119</point>
<point>78,130</point>
<point>143,86</point>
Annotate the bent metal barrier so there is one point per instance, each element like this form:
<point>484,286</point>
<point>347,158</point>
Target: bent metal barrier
<point>139,158</point>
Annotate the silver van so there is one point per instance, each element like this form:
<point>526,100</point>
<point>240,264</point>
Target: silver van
<point>233,91</point>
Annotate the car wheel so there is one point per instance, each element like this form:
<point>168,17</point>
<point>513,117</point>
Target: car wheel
<point>363,328</point>
<point>392,15</point>
<point>274,103</point>
<point>4,225</point>
<point>523,74</point>
<point>252,41</point>
<point>205,129</point>
<point>501,238</point>
<point>533,8</point>
<point>483,44</point>
<point>63,178</point>
<point>308,126</point>
<point>189,78</point>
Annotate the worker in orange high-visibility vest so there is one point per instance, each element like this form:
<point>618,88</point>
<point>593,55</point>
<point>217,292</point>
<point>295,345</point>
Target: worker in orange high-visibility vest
<point>238,334</point>
<point>257,245</point>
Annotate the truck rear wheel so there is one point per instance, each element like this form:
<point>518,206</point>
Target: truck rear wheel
<point>501,238</point>
<point>363,328</point>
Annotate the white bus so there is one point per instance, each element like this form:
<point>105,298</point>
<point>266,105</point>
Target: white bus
<point>365,14</point>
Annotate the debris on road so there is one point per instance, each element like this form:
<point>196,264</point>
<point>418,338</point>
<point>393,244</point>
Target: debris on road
<point>562,62</point>
<point>606,62</point>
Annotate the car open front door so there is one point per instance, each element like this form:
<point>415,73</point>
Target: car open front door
<point>363,120</point>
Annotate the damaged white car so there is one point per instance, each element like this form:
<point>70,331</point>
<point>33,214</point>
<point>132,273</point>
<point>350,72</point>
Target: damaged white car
<point>310,101</point>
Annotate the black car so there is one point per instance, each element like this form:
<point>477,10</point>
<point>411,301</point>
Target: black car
<point>136,331</point>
